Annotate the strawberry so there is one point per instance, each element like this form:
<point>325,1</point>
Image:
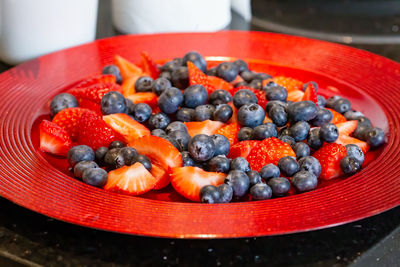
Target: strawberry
<point>310,93</point>
<point>295,95</point>
<point>90,105</point>
<point>132,180</point>
<point>346,140</point>
<point>337,117</point>
<point>53,138</point>
<point>203,127</point>
<point>242,149</point>
<point>102,78</point>
<point>94,92</point>
<point>188,181</point>
<point>329,156</point>
<point>128,85</point>
<point>267,119</point>
<point>159,150</point>
<point>260,94</point>
<point>289,83</point>
<point>269,150</point>
<point>127,68</point>
<point>347,127</point>
<point>161,176</point>
<point>68,119</point>
<point>218,83</point>
<point>196,76</point>
<point>127,127</point>
<point>230,131</point>
<point>94,132</point>
<point>144,97</point>
<point>148,66</point>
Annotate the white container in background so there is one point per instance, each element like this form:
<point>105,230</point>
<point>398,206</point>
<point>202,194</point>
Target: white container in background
<point>154,16</point>
<point>31,28</point>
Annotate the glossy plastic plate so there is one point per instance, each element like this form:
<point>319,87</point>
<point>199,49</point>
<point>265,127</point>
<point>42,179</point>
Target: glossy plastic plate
<point>42,183</point>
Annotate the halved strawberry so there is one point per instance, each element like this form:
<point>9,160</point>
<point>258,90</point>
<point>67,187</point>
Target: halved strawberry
<point>188,181</point>
<point>230,131</point>
<point>161,175</point>
<point>144,97</point>
<point>126,67</point>
<point>310,93</point>
<point>127,127</point>
<point>128,85</point>
<point>347,127</point>
<point>90,105</point>
<point>208,127</point>
<point>260,94</point>
<point>102,78</point>
<point>242,148</point>
<point>69,118</point>
<point>94,92</point>
<point>159,150</point>
<point>289,83</point>
<point>148,66</point>
<point>267,119</point>
<point>329,156</point>
<point>218,83</point>
<point>131,180</point>
<point>196,76</point>
<point>346,140</point>
<point>53,138</point>
<point>269,150</point>
<point>295,95</point>
<point>337,117</point>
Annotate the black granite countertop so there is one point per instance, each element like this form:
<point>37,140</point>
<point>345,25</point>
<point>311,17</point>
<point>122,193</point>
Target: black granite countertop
<point>31,239</point>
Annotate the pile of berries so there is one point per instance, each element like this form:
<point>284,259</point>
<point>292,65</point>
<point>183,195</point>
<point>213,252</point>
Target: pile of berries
<point>216,135</point>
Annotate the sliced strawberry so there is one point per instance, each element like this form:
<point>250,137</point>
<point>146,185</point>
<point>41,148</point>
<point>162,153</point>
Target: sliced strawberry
<point>131,180</point>
<point>126,67</point>
<point>196,76</point>
<point>347,127</point>
<point>329,156</point>
<point>102,78</point>
<point>230,131</point>
<point>337,117</point>
<point>188,181</point>
<point>267,119</point>
<point>289,83</point>
<point>94,92</point>
<point>161,175</point>
<point>148,66</point>
<point>242,149</point>
<point>54,139</point>
<point>94,132</point>
<point>346,140</point>
<point>90,105</point>
<point>144,97</point>
<point>295,95</point>
<point>218,83</point>
<point>203,127</point>
<point>128,85</point>
<point>260,94</point>
<point>159,150</point>
<point>69,118</point>
<point>238,79</point>
<point>233,119</point>
<point>127,127</point>
<point>269,150</point>
<point>310,93</point>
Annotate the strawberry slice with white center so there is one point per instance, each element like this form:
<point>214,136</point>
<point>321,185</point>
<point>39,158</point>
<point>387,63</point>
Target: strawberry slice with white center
<point>347,127</point>
<point>54,139</point>
<point>188,181</point>
<point>310,94</point>
<point>295,95</point>
<point>144,97</point>
<point>126,126</point>
<point>131,180</point>
<point>159,150</point>
<point>126,67</point>
<point>208,127</point>
<point>161,176</point>
<point>346,140</point>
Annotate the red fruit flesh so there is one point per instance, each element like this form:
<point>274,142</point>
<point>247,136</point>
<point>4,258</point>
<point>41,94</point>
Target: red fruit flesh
<point>337,117</point>
<point>310,94</point>
<point>218,83</point>
<point>144,97</point>
<point>128,128</point>
<point>126,67</point>
<point>242,149</point>
<point>68,119</point>
<point>148,66</point>
<point>230,131</point>
<point>347,128</point>
<point>203,127</point>
<point>346,140</point>
<point>54,139</point>
<point>295,95</point>
<point>196,76</point>
<point>161,175</point>
<point>103,78</point>
<point>329,156</point>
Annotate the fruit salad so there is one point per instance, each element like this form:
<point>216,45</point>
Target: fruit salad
<point>214,134</point>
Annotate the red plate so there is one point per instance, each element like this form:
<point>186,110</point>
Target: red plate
<point>40,183</point>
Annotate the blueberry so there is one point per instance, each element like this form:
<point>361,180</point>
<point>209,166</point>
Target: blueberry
<point>197,59</point>
<point>79,153</point>
<point>220,97</point>
<point>113,102</point>
<point>254,177</point>
<point>279,186</point>
<point>363,121</point>
<point>269,171</point>
<point>141,112</point>
<point>219,163</point>
<point>158,132</point>
<point>264,131</point>
<point>331,100</point>
<point>180,77</point>
<point>301,149</point>
<point>62,101</point>
<point>144,84</point>
<point>178,61</point>
<point>302,111</point>
<point>204,112</point>
<point>288,166</point>
<point>352,115</point>
<point>176,126</point>
<point>185,114</point>
<point>310,164</point>
<point>170,66</point>
<point>222,145</point>
<point>160,85</point>
<point>323,116</point>
<point>287,139</point>
<point>116,144</point>
<point>114,70</point>
<point>125,156</point>
<point>227,71</point>
<point>201,147</point>
<point>241,65</point>
<point>314,84</point>
<point>314,139</point>
<point>165,75</point>
<point>95,177</point>
<point>195,95</point>
<point>181,137</point>
<point>226,193</point>
<point>262,76</point>
<point>159,121</point>
<point>361,131</point>
<point>81,166</point>
<point>273,103</point>
<point>284,131</point>
<point>247,75</point>
<point>212,71</point>
<point>278,115</point>
<point>223,113</point>
<point>321,101</point>
<point>256,84</point>
<point>173,142</point>
<point>275,93</point>
<point>243,97</point>
<point>260,191</point>
<point>209,194</point>
<point>170,100</point>
<point>299,130</point>
<point>245,133</point>
<point>99,155</point>
<point>350,165</point>
<point>110,157</point>
<point>251,115</point>
<point>355,152</point>
<point>186,159</point>
<point>240,164</point>
<point>242,83</point>
<point>145,161</point>
<point>129,106</point>
<point>304,181</point>
<point>329,132</point>
<point>375,137</point>
<point>239,181</point>
<point>341,105</point>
